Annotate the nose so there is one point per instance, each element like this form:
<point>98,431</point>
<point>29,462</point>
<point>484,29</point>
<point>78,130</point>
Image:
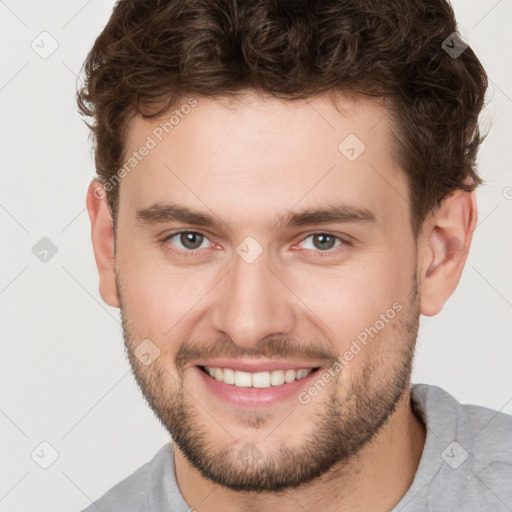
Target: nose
<point>254,303</point>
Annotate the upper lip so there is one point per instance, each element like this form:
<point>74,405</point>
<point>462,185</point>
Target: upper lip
<point>256,365</point>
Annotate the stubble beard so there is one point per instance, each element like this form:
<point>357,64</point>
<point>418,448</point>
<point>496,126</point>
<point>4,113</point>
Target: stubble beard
<point>348,420</point>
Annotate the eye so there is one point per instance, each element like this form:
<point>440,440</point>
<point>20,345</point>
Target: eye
<point>324,241</point>
<point>191,241</point>
<point>324,245</point>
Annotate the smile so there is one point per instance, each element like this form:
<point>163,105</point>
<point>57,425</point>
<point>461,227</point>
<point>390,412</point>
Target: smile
<point>257,379</point>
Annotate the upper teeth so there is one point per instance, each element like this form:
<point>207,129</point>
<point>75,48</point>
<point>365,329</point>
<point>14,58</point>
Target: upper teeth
<point>258,379</point>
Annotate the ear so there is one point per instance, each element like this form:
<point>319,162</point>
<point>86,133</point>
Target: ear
<point>444,247</point>
<point>102,233</point>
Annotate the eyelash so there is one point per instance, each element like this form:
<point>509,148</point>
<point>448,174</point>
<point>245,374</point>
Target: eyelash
<point>195,253</point>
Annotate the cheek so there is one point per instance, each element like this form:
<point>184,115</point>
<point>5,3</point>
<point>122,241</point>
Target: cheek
<point>155,295</point>
<point>347,301</point>
<point>157,302</point>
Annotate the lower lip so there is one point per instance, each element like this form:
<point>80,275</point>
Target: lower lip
<point>254,397</point>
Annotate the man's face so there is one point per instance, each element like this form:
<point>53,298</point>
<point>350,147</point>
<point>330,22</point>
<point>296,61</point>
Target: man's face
<point>261,298</point>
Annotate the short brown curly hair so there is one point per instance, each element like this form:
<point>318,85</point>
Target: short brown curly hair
<point>152,52</point>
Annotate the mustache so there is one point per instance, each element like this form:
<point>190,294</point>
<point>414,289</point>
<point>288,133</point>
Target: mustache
<point>318,353</point>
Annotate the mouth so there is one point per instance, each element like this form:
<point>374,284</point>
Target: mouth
<point>254,389</point>
<point>260,380</point>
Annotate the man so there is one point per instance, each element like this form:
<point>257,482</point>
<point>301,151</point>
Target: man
<point>283,189</point>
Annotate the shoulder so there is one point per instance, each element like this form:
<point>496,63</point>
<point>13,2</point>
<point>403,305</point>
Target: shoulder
<point>491,449</point>
<point>488,432</point>
<point>491,431</point>
<point>467,458</point>
<point>130,494</point>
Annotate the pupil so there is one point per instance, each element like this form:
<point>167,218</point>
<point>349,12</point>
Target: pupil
<point>189,239</point>
<point>323,237</point>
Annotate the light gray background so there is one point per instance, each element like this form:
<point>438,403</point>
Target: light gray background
<point>65,380</point>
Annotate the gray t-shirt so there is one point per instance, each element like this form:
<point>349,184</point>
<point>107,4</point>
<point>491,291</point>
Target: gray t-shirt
<point>466,465</point>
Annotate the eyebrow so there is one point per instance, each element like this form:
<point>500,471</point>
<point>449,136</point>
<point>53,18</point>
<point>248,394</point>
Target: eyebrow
<point>337,213</point>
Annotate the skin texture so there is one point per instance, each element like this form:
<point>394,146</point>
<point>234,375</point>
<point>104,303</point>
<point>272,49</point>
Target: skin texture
<point>355,445</point>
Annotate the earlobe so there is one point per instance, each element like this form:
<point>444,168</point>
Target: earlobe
<point>102,234</point>
<point>444,249</point>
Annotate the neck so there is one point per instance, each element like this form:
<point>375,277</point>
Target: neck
<point>376,478</point>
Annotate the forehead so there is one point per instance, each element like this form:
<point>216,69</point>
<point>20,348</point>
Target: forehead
<point>256,157</point>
